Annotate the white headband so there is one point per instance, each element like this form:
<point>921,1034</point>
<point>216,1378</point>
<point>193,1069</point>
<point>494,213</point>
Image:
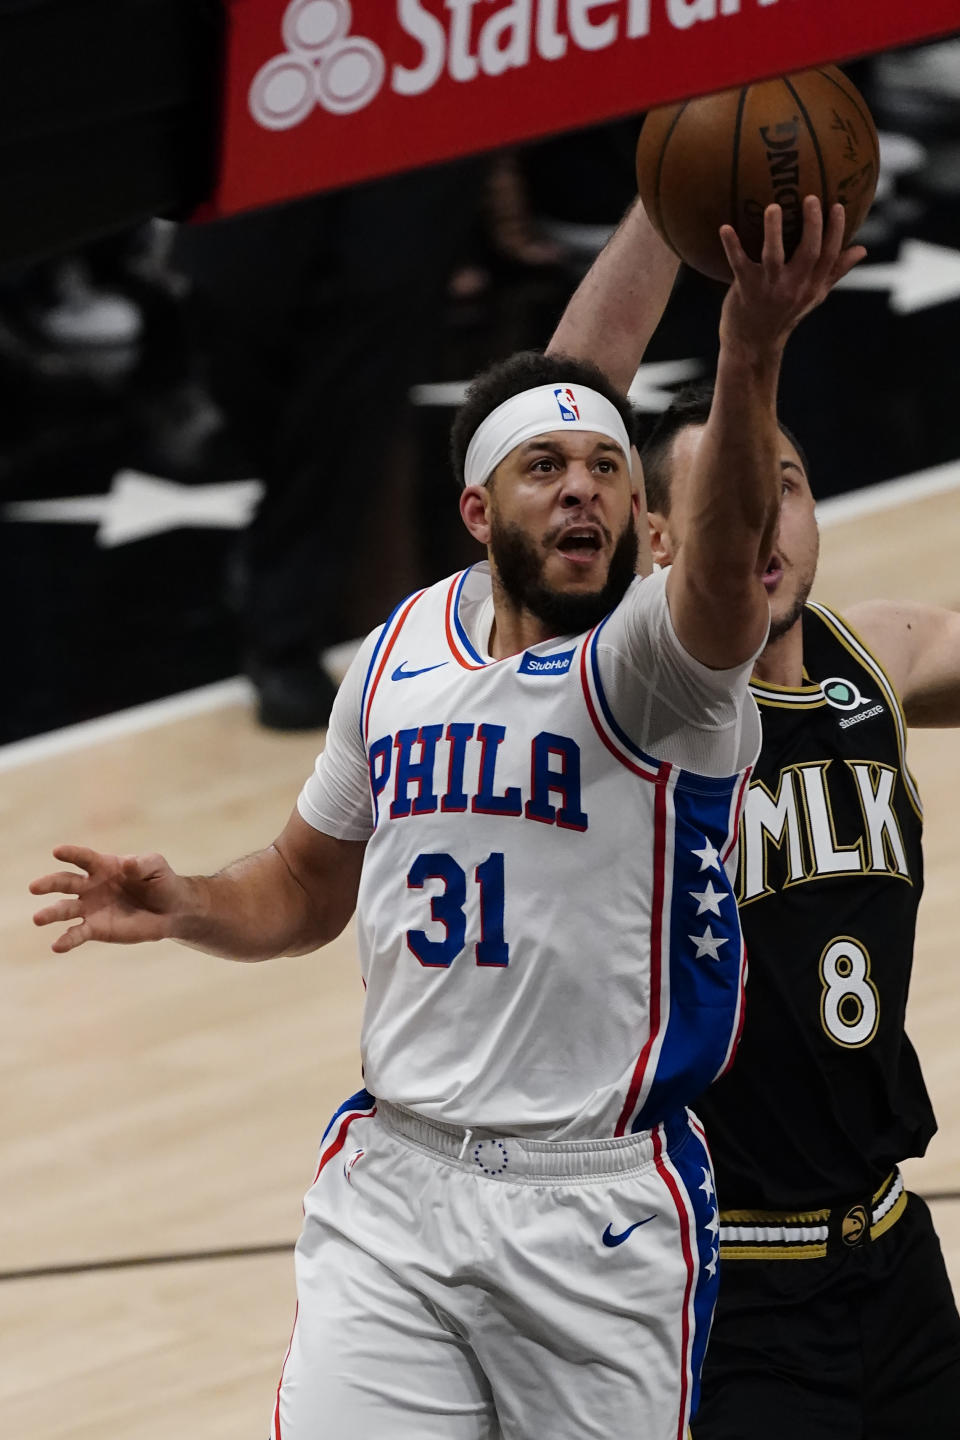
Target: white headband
<point>539,411</point>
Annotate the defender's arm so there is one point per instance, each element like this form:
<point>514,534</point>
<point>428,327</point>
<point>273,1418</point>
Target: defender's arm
<point>618,303</point>
<point>919,647</point>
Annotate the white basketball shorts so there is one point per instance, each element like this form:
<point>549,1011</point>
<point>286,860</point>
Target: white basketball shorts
<point>467,1286</point>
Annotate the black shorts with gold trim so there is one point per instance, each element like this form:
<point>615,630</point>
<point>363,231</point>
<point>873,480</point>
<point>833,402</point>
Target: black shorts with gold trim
<point>811,1234</point>
<point>861,1342</point>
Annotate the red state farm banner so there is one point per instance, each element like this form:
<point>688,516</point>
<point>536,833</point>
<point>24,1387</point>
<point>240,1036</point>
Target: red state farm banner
<point>322,93</point>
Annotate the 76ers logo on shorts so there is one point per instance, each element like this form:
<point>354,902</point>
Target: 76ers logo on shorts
<point>569,409</point>
<point>349,1164</point>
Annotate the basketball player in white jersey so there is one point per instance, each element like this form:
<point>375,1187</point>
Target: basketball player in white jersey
<point>530,795</point>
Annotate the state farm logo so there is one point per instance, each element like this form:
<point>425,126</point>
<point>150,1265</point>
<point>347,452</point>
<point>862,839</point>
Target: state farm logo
<point>327,66</point>
<point>324,65</point>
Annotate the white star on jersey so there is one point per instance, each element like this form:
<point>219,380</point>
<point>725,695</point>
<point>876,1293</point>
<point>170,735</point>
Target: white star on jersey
<point>709,857</point>
<point>708,944</point>
<point>713,1224</point>
<point>708,899</point>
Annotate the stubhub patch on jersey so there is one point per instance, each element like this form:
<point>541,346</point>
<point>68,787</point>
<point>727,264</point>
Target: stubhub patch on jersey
<point>545,664</point>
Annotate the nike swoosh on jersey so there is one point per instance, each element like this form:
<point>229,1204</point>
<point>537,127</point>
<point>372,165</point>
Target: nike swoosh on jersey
<point>609,1238</point>
<point>401,674</point>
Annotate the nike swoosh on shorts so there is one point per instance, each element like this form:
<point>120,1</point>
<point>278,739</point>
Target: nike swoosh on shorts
<point>609,1238</point>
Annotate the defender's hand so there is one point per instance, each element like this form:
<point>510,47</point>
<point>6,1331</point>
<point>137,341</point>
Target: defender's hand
<point>121,899</point>
<point>770,297</point>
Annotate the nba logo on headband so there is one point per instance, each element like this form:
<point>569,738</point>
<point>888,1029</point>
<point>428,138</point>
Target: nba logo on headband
<point>569,409</point>
<point>534,412</point>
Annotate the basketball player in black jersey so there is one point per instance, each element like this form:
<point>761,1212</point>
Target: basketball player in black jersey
<point>836,1317</point>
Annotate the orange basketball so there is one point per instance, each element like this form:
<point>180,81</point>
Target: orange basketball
<point>723,158</point>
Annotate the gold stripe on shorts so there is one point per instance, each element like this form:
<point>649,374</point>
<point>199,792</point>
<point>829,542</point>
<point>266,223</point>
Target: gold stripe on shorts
<point>805,1234</point>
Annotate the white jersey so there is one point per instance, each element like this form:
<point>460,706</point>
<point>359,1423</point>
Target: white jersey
<point>546,918</point>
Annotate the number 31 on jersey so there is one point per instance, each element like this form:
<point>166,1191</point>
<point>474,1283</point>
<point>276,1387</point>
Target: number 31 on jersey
<point>447,909</point>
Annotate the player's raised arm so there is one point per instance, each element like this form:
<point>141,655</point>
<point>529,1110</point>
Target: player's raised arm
<point>618,304</point>
<point>718,602</point>
<point>288,899</point>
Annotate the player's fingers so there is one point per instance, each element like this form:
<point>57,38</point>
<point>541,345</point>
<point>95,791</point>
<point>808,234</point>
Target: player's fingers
<point>76,855</point>
<point>70,939</point>
<point>142,866</point>
<point>845,262</point>
<point>772,256</point>
<point>832,241</point>
<point>734,251</point>
<point>63,882</point>
<point>63,910</point>
<point>810,248</point>
<point>836,224</point>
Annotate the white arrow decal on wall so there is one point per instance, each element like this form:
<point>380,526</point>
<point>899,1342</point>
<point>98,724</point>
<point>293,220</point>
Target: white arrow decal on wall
<point>647,390</point>
<point>923,275</point>
<point>139,505</point>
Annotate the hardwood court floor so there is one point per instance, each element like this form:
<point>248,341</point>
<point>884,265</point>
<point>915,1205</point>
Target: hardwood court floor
<point>160,1103</point>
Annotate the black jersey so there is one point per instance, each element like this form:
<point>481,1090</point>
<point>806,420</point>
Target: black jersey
<point>825,1095</point>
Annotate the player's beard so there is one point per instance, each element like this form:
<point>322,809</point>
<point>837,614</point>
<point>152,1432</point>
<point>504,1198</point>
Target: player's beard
<point>785,623</point>
<point>520,563</point>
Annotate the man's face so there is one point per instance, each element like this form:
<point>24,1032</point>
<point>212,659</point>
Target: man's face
<point>793,564</point>
<point>560,515</point>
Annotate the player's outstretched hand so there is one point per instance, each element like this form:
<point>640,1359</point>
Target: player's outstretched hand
<point>118,898</point>
<point>769,297</point>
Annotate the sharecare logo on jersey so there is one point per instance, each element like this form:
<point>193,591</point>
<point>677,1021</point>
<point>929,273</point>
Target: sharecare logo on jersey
<point>545,664</point>
<point>849,720</point>
<point>842,694</point>
<point>567,401</point>
<point>327,66</point>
